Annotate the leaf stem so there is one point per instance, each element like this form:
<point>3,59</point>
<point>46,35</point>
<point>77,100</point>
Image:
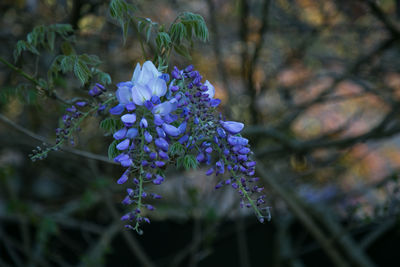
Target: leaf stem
<point>33,80</point>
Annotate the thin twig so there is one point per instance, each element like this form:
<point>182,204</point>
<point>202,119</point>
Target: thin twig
<point>41,139</point>
<point>33,80</point>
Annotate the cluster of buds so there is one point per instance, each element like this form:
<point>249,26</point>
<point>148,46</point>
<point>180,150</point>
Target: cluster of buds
<point>156,116</point>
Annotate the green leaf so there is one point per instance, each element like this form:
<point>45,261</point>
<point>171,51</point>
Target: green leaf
<point>183,51</point>
<point>90,59</point>
<point>43,37</point>
<point>67,48</point>
<point>112,150</point>
<point>103,77</point>
<point>51,37</point>
<point>163,40</point>
<point>177,149</point>
<point>190,162</point>
<point>145,26</point>
<point>67,63</point>
<point>111,125</point>
<point>81,71</point>
<point>177,32</point>
<point>122,11</point>
<point>195,26</point>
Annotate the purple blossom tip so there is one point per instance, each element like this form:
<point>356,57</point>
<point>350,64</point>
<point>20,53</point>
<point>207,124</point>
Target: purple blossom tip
<point>122,179</point>
<point>162,143</point>
<point>143,123</point>
<point>159,179</point>
<point>132,133</point>
<point>123,145</point>
<point>128,119</point>
<point>148,137</point>
<point>160,164</point>
<point>120,134</point>
<point>81,103</point>
<point>170,130</point>
<point>118,109</point>
<point>237,140</point>
<point>232,127</point>
<point>130,106</point>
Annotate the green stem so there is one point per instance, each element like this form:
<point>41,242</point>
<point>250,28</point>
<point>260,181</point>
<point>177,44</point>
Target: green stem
<point>71,131</point>
<point>32,80</point>
<point>245,193</point>
<point>139,203</point>
<point>20,71</point>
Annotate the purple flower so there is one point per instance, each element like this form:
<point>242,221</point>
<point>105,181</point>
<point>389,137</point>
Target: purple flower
<point>158,120</point>
<point>140,94</point>
<point>175,74</point>
<point>237,140</point>
<point>148,137</point>
<point>124,92</point>
<point>126,162</point>
<point>126,217</point>
<point>71,109</point>
<point>160,164</point>
<point>215,102</point>
<point>123,179</point>
<point>130,106</point>
<point>132,133</point>
<point>152,156</point>
<point>184,139</point>
<point>159,179</point>
<point>128,119</point>
<point>160,132</point>
<point>121,157</point>
<point>174,88</point>
<point>182,127</point>
<point>149,207</point>
<point>201,157</point>
<point>170,130</point>
<point>211,90</point>
<point>232,127</point>
<point>143,75</point>
<point>218,186</point>
<point>118,109</point>
<point>120,134</point>
<point>210,171</point>
<point>123,145</point>
<point>163,155</point>
<point>221,133</point>
<point>162,143</point>
<point>95,91</point>
<point>158,87</point>
<point>244,150</point>
<point>81,103</point>
<point>166,107</point>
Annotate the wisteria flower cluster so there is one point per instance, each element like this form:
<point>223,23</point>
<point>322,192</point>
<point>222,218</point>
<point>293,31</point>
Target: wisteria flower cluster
<point>169,121</point>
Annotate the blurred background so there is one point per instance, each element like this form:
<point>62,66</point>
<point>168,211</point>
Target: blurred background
<point>317,84</point>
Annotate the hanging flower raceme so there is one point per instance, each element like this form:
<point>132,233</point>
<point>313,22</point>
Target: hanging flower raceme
<point>158,118</point>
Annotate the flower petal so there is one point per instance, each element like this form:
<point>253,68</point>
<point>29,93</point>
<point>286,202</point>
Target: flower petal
<point>118,135</point>
<point>140,94</point>
<point>128,119</point>
<point>157,86</point>
<point>232,127</point>
<point>123,145</point>
<point>123,92</point>
<point>136,73</point>
<point>166,107</point>
<point>132,133</point>
<point>171,130</point>
<point>118,109</point>
<point>211,89</point>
